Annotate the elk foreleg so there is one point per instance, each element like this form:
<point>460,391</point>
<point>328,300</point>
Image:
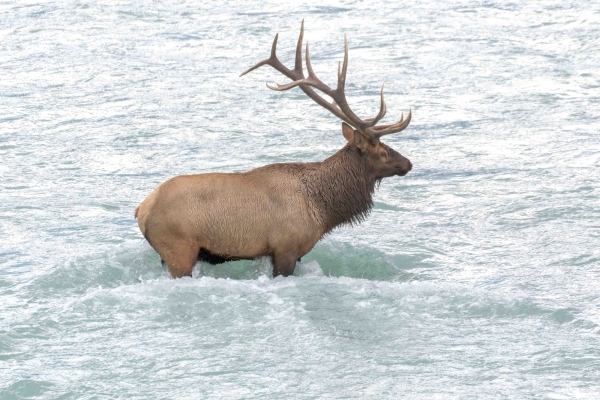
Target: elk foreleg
<point>284,263</point>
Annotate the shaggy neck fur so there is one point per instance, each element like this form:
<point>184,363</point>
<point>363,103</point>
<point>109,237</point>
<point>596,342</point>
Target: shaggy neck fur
<point>340,189</point>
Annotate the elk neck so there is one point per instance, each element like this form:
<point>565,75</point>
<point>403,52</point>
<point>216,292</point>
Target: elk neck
<point>339,189</point>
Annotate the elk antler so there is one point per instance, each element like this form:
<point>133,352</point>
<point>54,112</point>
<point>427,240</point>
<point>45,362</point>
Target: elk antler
<point>339,106</point>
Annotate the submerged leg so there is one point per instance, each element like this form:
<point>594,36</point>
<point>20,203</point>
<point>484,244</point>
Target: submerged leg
<point>180,258</point>
<point>284,264</point>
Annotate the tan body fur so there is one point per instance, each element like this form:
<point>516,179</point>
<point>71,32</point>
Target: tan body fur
<point>269,216</point>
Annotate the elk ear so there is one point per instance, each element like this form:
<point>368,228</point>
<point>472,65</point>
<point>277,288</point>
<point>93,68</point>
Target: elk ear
<point>348,132</point>
<point>354,136</point>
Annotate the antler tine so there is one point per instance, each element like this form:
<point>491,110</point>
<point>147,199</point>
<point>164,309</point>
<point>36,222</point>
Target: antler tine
<point>308,64</point>
<point>382,111</point>
<point>380,127</point>
<point>379,131</point>
<point>269,61</point>
<point>342,75</point>
<point>298,64</point>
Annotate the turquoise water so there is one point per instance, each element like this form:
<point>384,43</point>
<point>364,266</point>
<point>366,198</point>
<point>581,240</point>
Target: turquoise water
<point>476,276</point>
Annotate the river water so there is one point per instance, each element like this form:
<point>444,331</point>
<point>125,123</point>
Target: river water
<point>476,276</point>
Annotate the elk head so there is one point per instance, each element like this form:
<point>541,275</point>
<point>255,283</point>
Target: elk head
<point>365,134</point>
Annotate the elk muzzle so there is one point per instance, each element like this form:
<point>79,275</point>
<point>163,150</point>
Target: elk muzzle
<point>403,166</point>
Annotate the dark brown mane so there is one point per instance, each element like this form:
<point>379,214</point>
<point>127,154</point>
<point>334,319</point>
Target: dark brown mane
<point>339,189</point>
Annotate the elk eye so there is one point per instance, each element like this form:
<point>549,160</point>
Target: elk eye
<point>383,154</point>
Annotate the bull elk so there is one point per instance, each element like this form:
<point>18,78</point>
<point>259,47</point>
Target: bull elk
<point>278,210</point>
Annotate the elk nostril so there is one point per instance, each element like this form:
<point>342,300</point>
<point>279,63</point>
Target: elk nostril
<point>409,166</point>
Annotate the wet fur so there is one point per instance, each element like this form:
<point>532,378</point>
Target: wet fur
<point>340,188</point>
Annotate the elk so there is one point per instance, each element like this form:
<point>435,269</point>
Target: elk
<point>278,210</point>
